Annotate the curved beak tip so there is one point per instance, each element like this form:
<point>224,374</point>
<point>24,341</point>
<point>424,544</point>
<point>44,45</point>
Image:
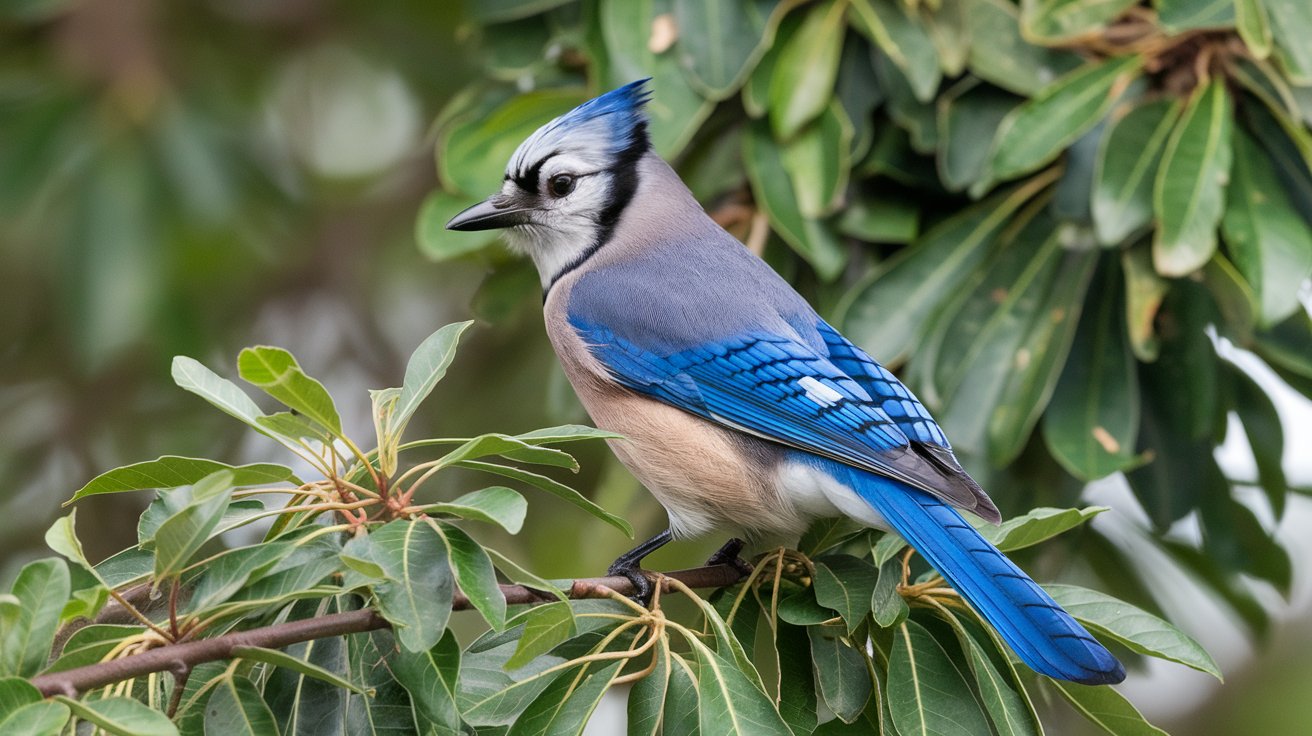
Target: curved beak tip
<point>487,216</point>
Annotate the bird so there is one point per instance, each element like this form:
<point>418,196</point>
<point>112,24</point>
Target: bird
<point>739,407</point>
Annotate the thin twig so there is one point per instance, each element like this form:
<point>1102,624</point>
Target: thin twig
<point>176,657</point>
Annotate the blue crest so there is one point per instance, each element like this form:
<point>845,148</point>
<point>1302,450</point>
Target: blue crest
<point>604,128</point>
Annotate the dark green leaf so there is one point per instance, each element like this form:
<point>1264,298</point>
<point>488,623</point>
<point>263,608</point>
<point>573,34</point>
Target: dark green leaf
<point>926,693</point>
<point>682,701</point>
<point>881,219</point>
<point>16,692</point>
<point>1183,15</point>
<point>279,658</point>
<point>1092,422</point>
<point>913,283</point>
<point>800,608</point>
<point>1189,192</point>
<point>234,570</point>
<point>565,706</point>
<point>968,113</point>
<point>41,590</point>
<point>1133,627</point>
<point>1036,526</point>
<point>802,82</point>
<point>1144,292</point>
<point>719,42</point>
<point>845,584</point>
<point>1009,711</point>
<point>277,373</point>
<point>901,34</point>
<point>416,595</point>
<point>911,114</point>
<point>474,574</point>
<point>545,626</point>
<point>841,673</point>
<point>430,677</point>
<point>730,703</point>
<point>818,160</point>
<point>1266,436</point>
<point>1000,55</point>
<point>1271,243</point>
<point>1039,130</point>
<point>1106,708</point>
<point>90,644</point>
<point>775,194</point>
<point>121,716</point>
<point>236,707</point>
<point>1127,167</point>
<point>171,471</point>
<point>646,704</point>
<point>887,605</point>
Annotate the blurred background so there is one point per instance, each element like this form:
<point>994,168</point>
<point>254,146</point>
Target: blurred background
<point>192,178</point>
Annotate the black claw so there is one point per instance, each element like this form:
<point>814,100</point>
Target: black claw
<point>728,555</point>
<point>642,585</point>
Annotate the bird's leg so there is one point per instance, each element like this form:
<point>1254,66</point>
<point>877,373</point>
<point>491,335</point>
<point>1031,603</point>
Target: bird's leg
<point>728,555</point>
<point>629,565</point>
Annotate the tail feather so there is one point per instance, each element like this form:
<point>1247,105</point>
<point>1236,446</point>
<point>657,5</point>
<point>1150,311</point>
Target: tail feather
<point>1029,620</point>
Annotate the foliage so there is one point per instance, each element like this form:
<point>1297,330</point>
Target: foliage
<point>1057,218</point>
<point>846,635</point>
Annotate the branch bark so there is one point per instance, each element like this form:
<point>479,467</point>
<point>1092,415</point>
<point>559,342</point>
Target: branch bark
<point>181,658</point>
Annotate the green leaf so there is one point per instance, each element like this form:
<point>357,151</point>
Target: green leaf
<point>474,574</point>
<point>1092,423</point>
<point>416,595</point>
<point>910,114</point>
<point>172,471</point>
<point>427,365</point>
<point>1010,713</point>
<point>1254,28</point>
<point>901,34</point>
<point>1144,292</point>
<point>566,433</point>
<point>912,284</point>
<point>682,701</point>
<point>121,716</point>
<point>841,673</point>
<point>37,719</point>
<point>545,626</point>
<point>800,608</point>
<point>888,545</point>
<point>500,11</point>
<point>1000,55</point>
<point>383,408</point>
<point>434,240</point>
<point>430,677</point>
<point>1037,525</point>
<point>566,705</point>
<point>1053,21</point>
<point>719,43</point>
<point>1188,195</point>
<point>1134,627</point>
<point>818,161</point>
<point>646,703</point>
<point>881,219</point>
<point>277,373</point>
<point>774,192</point>
<point>279,658</point>
<point>16,692</point>
<point>729,703</point>
<point>556,489</point>
<point>620,45</point>
<point>887,605</point>
<point>1271,243</point>
<point>845,584</point>
<point>1184,15</point>
<point>507,446</point>
<point>1291,24</point>
<point>969,112</point>
<point>1035,133</point>
<point>182,534</point>
<point>1266,436</point>
<point>90,644</point>
<point>236,707</point>
<point>520,576</point>
<point>1128,161</point>
<point>1106,708</point>
<point>802,82</point>
<point>495,505</point>
<point>192,376</point>
<point>926,693</point>
<point>41,590</point>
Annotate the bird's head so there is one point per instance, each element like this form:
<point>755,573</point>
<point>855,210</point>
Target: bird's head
<point>566,184</point>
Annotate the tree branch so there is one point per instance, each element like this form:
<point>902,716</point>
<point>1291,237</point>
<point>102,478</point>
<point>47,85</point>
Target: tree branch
<point>185,657</point>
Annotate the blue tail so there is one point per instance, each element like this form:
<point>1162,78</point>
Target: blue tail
<point>1039,630</point>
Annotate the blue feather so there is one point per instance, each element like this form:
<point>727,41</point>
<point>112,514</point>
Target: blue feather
<point>1036,627</point>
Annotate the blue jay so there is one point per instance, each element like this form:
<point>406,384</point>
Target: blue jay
<point>740,407</point>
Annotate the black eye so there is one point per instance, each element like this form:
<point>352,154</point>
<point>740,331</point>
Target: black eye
<point>560,185</point>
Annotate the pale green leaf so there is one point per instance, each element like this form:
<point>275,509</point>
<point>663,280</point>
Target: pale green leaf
<point>121,716</point>
<point>236,708</point>
<point>277,373</point>
<point>1128,160</point>
<point>172,471</point>
<point>1107,709</point>
<point>495,505</point>
<point>181,535</point>
<point>40,592</point>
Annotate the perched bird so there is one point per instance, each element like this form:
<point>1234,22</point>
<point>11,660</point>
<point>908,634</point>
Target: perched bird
<point>741,409</point>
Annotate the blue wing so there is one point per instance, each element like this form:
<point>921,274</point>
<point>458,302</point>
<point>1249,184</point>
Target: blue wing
<point>781,389</point>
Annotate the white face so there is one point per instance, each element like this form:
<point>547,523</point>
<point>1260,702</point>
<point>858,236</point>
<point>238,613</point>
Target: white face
<point>571,194</point>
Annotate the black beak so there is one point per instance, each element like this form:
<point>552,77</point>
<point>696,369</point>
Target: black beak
<point>492,213</point>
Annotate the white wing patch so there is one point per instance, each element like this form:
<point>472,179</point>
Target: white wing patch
<point>818,392</point>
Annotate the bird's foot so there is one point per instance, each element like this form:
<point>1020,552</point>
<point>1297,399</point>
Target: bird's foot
<point>728,555</point>
<point>643,588</point>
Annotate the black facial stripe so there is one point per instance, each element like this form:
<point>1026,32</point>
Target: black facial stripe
<point>528,181</point>
<point>624,182</point>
